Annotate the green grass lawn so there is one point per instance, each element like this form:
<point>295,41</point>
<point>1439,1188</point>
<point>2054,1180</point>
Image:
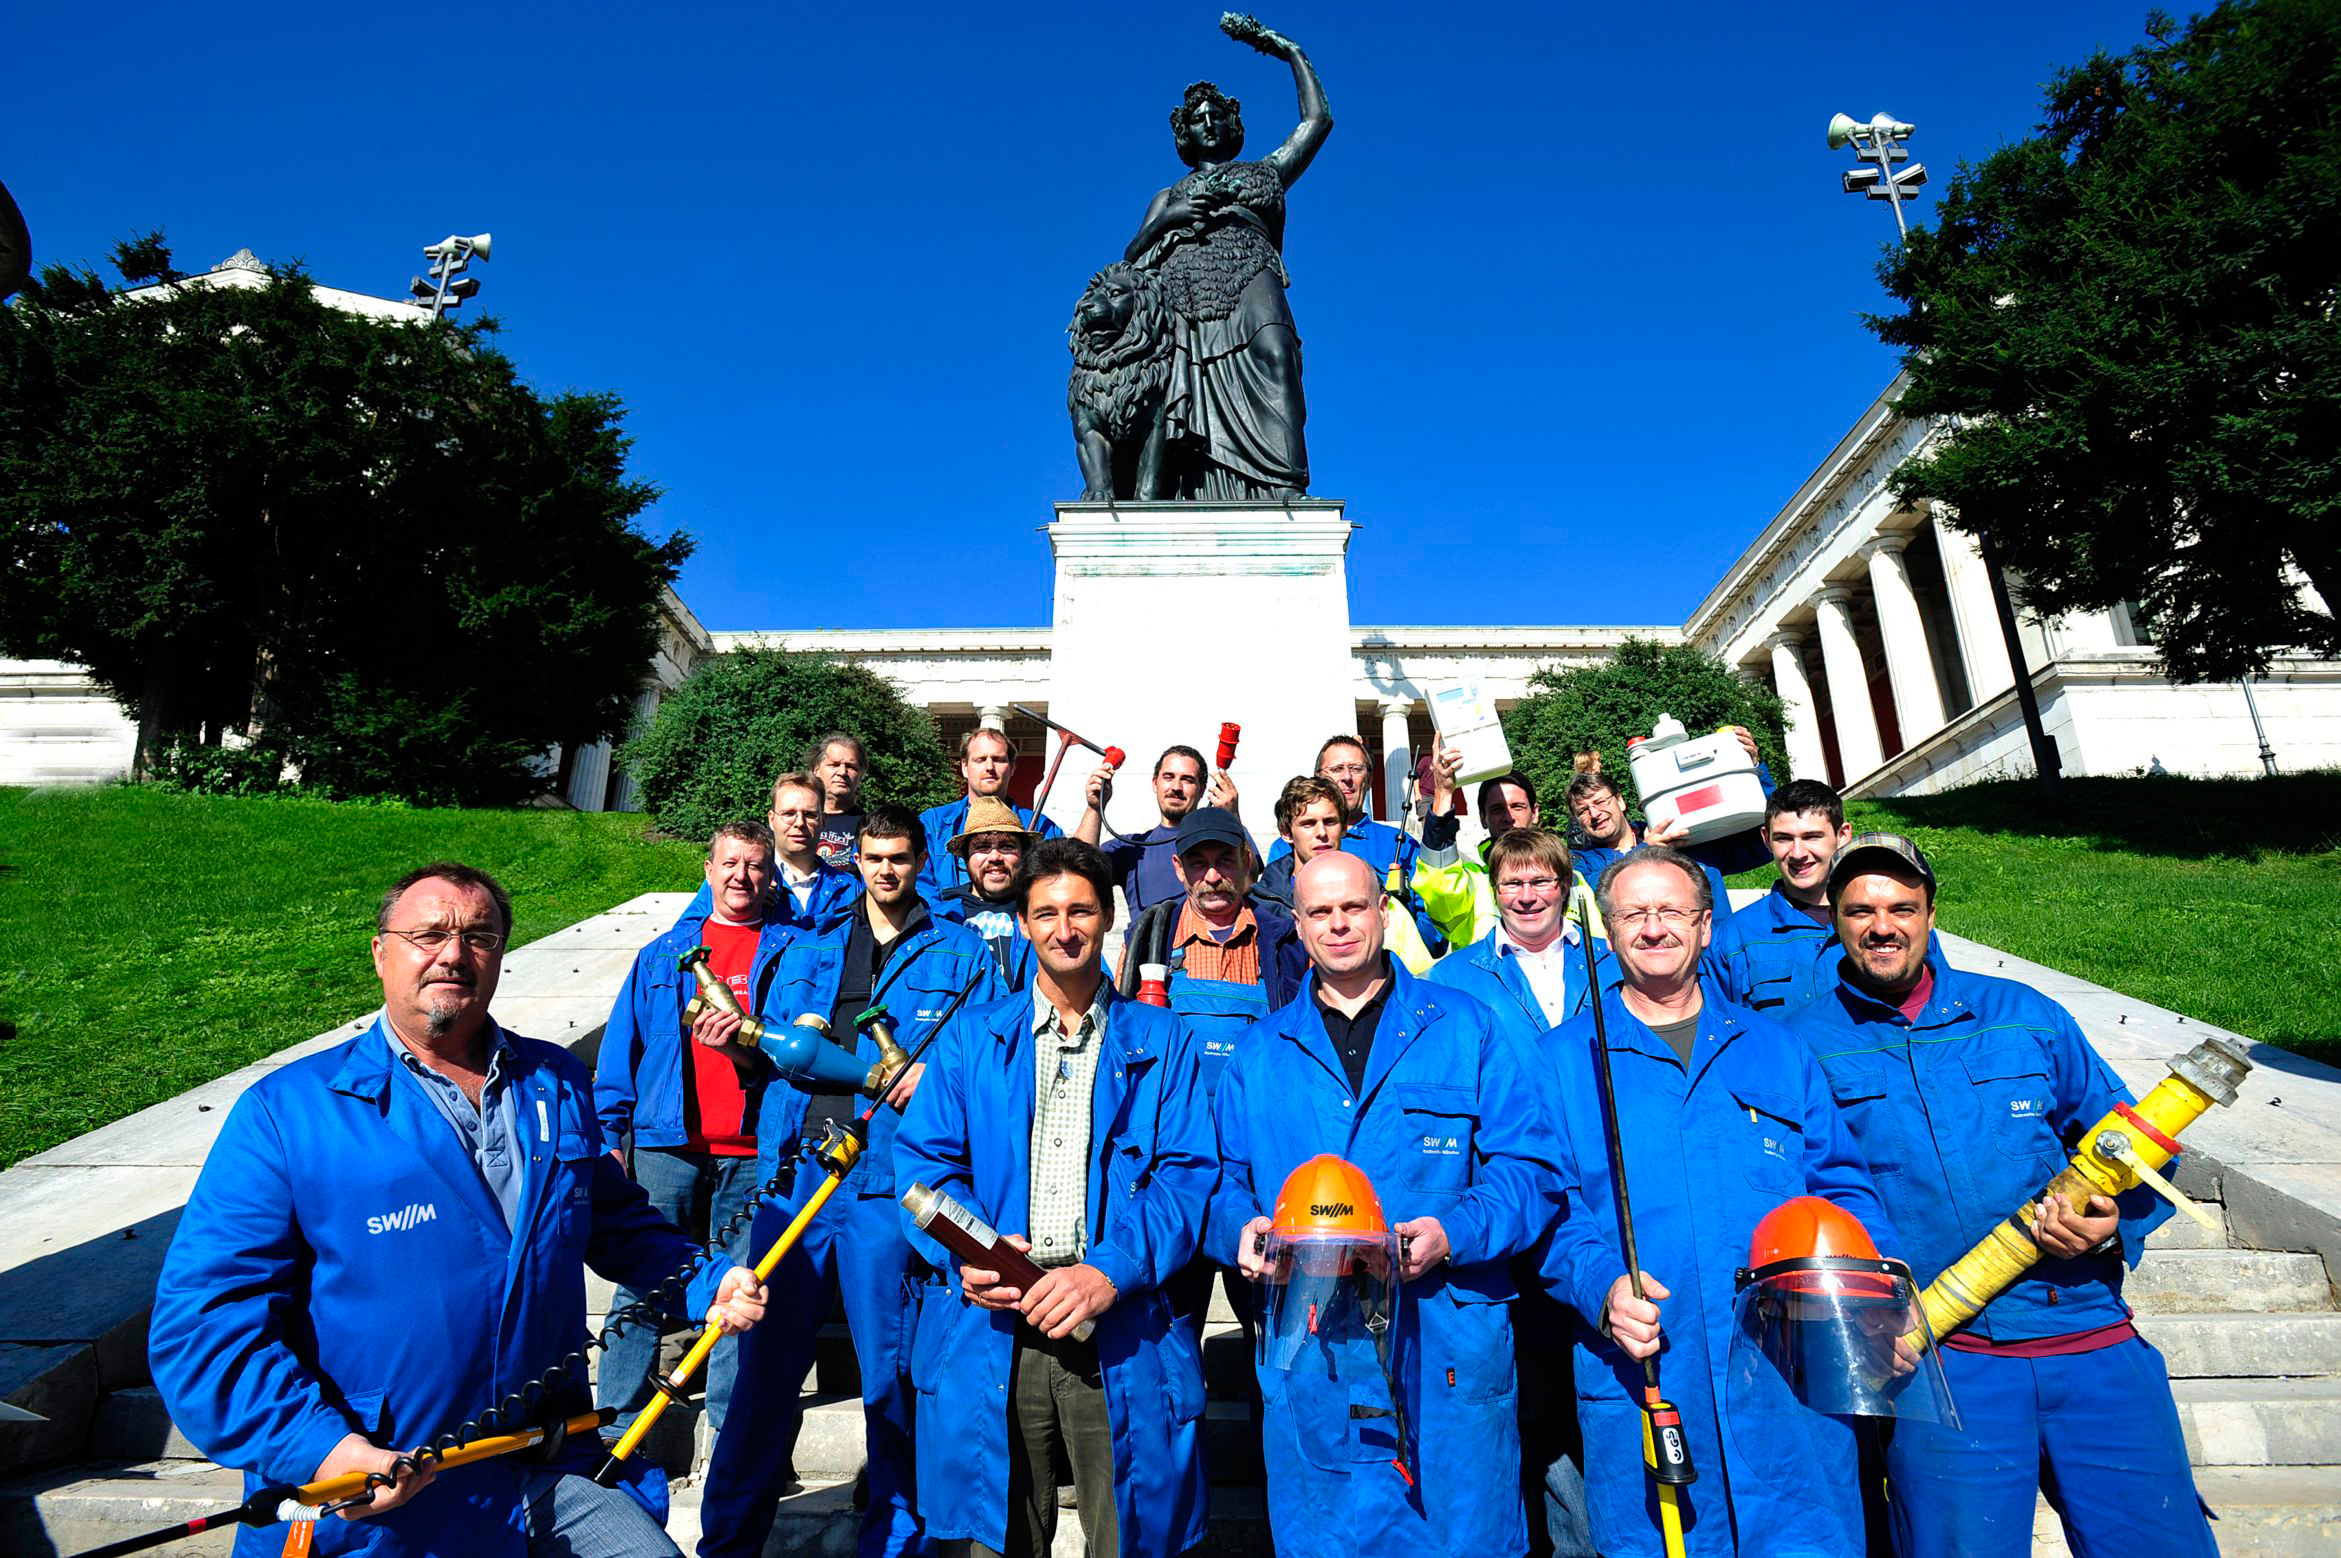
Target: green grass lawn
<point>150,941</point>
<point>2218,898</point>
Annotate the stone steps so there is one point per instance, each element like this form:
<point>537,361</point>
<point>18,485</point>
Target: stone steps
<point>2237,1344</point>
<point>2263,1512</point>
<point>2261,1422</point>
<point>2266,1281</point>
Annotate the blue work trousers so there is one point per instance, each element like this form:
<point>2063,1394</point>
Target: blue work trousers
<point>572,1516</point>
<point>698,1192</point>
<point>2095,1431</point>
<point>857,1243</point>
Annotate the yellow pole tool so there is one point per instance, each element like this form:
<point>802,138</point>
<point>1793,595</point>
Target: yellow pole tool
<point>838,1154</point>
<point>2129,1147</point>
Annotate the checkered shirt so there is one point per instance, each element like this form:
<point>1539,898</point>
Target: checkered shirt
<point>1064,1077</point>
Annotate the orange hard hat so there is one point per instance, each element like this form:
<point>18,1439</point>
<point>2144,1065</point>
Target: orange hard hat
<point>1328,1197</point>
<point>1810,1229</point>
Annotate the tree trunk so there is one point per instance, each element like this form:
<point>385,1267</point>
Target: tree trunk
<point>158,709</point>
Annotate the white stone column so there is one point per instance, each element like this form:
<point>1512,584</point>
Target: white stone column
<point>1981,646</point>
<point>589,778</point>
<point>1858,746</point>
<point>1805,758</point>
<point>993,716</point>
<point>1397,771</point>
<point>1910,664</point>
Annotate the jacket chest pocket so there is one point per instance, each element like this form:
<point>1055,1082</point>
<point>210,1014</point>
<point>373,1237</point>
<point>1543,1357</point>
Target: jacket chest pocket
<point>2009,1088</point>
<point>1862,1092</point>
<point>575,1160</point>
<point>1769,1128</point>
<point>1438,1124</point>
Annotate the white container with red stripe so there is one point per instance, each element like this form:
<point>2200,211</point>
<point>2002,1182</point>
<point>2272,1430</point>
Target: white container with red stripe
<point>1709,782</point>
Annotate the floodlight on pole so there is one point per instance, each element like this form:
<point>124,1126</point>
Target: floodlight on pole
<point>446,286</point>
<point>1881,142</point>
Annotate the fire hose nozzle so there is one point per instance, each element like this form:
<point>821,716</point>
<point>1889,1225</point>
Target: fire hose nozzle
<point>1229,733</point>
<point>893,1059</point>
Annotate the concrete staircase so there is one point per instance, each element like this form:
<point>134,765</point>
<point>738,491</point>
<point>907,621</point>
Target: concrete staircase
<point>2253,1344</point>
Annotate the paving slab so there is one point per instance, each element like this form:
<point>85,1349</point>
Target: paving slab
<point>61,1384</point>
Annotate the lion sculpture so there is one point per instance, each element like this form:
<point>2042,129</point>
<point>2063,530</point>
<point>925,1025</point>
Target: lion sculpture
<point>1121,340</point>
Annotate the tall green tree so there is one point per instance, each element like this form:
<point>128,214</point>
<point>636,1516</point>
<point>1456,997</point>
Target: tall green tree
<point>741,719</point>
<point>1597,708</point>
<point>239,505</point>
<point>2130,319</point>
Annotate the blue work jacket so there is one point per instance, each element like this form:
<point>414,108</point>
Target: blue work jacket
<point>342,1267</point>
<point>1968,1113</point>
<point>638,1074</point>
<point>958,908</point>
<point>941,871</point>
<point>1709,1151</point>
<point>921,978</point>
<point>1454,1121</point>
<point>968,1133</point>
<point>1780,960</point>
<point>834,890</point>
<point>1500,982</point>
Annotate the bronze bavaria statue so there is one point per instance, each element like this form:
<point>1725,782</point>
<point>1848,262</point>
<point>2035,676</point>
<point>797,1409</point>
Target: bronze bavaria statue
<point>1187,368</point>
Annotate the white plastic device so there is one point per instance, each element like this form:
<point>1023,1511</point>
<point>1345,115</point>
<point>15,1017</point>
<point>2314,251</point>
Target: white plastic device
<point>1708,782</point>
<point>1466,720</point>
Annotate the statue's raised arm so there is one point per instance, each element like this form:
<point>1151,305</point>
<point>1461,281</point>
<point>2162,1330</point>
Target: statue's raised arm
<point>1291,159</point>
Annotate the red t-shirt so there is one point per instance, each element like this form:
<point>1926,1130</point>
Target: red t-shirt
<point>715,1103</point>
<point>1914,1004</point>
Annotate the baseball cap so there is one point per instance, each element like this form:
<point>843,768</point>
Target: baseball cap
<point>1873,848</point>
<point>1211,824</point>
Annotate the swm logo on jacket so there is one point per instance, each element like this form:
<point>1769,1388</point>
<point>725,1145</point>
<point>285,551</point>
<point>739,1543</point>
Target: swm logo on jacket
<point>400,1221</point>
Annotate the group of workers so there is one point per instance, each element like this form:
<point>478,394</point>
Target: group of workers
<point>1378,1086</point>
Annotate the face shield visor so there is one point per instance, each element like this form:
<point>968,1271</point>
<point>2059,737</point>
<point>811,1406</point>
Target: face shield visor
<point>1839,1334</point>
<point>1328,1295</point>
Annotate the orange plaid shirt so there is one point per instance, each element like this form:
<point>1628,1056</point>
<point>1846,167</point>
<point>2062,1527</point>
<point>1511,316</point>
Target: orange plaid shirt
<point>1236,960</point>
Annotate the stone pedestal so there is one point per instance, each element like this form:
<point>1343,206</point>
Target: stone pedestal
<point>1173,617</point>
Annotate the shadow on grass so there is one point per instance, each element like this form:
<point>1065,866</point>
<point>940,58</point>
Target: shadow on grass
<point>2190,819</point>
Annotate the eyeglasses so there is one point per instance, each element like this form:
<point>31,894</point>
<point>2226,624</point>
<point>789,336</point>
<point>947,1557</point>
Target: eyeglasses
<point>1670,917</point>
<point>995,846</point>
<point>1536,884</point>
<point>809,814</point>
<point>1351,769</point>
<point>433,942</point>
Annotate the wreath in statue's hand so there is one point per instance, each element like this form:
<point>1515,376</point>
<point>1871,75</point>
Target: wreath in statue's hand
<point>1244,27</point>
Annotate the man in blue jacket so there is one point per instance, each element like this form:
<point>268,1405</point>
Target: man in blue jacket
<point>1450,1119</point>
<point>887,951</point>
<point>987,760</point>
<point>806,889</point>
<point>682,1098</point>
<point>1073,1122</point>
<point>1723,1116</point>
<point>991,844</point>
<point>1341,762</point>
<point>1598,813</point>
<point>1968,1094</point>
<point>390,1237</point>
<point>1142,863</point>
<point>1787,952</point>
<point>1529,970</point>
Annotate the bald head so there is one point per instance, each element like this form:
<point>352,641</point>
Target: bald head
<point>1337,903</point>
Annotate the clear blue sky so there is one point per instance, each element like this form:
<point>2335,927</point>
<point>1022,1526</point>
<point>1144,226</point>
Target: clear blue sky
<point>1578,289</point>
